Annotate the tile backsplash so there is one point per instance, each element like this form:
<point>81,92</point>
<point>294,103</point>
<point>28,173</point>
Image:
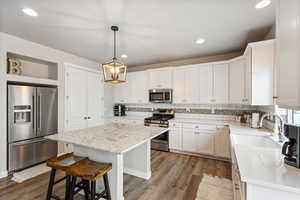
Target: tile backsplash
<point>219,109</point>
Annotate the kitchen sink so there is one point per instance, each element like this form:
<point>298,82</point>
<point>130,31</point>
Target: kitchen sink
<point>255,141</point>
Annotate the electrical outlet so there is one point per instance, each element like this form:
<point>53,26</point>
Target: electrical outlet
<point>212,110</point>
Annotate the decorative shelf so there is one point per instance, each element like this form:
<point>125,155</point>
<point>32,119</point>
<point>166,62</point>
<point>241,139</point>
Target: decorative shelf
<point>32,80</point>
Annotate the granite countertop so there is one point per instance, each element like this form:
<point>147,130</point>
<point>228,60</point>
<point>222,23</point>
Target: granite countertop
<point>112,137</point>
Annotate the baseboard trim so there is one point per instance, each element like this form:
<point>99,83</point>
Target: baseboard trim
<point>137,173</point>
<point>200,155</point>
<point>3,174</point>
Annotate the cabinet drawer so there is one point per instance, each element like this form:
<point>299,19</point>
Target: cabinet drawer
<point>199,127</point>
<point>175,125</point>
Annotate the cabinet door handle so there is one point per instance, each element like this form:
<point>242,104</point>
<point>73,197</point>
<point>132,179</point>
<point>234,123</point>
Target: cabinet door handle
<point>197,133</point>
<point>85,118</point>
<point>89,118</point>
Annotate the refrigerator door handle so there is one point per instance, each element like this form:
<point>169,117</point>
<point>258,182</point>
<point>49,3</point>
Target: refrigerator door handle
<point>33,113</point>
<point>39,119</point>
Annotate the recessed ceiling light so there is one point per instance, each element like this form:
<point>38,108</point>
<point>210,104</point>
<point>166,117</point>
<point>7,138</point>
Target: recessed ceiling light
<point>200,41</point>
<point>30,12</point>
<point>124,56</point>
<point>263,4</point>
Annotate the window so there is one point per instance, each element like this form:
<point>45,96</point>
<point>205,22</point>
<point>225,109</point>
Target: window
<point>289,116</point>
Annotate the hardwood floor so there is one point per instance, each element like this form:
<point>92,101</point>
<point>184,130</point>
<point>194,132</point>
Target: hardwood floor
<point>174,177</point>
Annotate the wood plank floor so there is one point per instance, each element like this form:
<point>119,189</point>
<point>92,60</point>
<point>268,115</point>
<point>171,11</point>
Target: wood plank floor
<point>174,177</point>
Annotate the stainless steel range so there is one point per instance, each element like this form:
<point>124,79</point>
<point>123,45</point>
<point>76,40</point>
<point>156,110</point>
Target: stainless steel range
<point>160,118</point>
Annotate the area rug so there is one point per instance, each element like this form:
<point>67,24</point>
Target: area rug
<point>29,173</point>
<point>215,188</point>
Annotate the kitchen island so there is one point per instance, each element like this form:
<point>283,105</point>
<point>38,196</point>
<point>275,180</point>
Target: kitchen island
<point>126,146</point>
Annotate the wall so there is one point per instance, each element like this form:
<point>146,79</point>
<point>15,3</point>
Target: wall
<point>9,43</point>
<point>271,34</point>
<point>190,61</point>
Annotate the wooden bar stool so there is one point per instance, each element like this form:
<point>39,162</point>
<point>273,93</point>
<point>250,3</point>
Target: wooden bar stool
<point>61,163</point>
<point>90,171</point>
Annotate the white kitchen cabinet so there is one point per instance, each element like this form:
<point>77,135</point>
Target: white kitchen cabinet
<point>185,85</point>
<point>175,137</point>
<point>260,71</point>
<point>122,92</point>
<point>222,143</point>
<point>198,141</point>
<point>251,75</point>
<point>138,87</point>
<point>237,81</point>
<point>288,54</point>
<point>205,83</point>
<point>220,83</point>
<point>160,78</point>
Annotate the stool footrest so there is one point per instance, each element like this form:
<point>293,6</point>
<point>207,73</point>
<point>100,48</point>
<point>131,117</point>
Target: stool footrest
<point>80,186</point>
<point>56,197</point>
<point>101,195</point>
<point>60,180</point>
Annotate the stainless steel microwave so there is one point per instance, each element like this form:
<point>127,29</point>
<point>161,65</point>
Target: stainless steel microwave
<point>160,95</point>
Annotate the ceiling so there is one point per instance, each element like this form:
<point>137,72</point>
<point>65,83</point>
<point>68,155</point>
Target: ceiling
<point>151,31</point>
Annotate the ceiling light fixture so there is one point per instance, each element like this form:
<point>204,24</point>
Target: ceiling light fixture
<point>114,71</point>
<point>263,4</point>
<point>30,12</point>
<point>200,41</point>
<point>124,56</point>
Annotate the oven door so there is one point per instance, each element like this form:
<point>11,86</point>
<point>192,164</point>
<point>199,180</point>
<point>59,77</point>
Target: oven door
<point>160,96</point>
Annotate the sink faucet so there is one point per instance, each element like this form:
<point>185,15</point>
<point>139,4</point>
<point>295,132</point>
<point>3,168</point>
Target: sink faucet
<point>280,128</point>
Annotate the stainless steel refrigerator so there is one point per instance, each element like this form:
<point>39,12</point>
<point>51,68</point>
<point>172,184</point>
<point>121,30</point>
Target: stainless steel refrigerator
<point>32,114</point>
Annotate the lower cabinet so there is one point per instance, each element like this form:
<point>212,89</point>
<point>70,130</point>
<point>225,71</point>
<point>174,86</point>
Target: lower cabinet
<point>175,141</point>
<point>222,140</point>
<point>239,187</point>
<point>200,139</point>
<point>198,142</point>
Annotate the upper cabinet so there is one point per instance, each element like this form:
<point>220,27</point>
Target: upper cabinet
<point>160,78</point>
<point>251,76</point>
<point>134,90</point>
<point>220,83</point>
<point>288,54</point>
<point>205,83</point>
<point>237,81</point>
<point>244,80</point>
<point>185,85</point>
<point>138,87</point>
<point>122,91</point>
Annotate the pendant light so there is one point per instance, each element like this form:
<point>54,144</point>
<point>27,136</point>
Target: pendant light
<point>114,71</point>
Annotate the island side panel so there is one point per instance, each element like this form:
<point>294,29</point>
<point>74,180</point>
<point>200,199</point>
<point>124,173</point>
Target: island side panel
<point>115,175</point>
<point>137,162</point>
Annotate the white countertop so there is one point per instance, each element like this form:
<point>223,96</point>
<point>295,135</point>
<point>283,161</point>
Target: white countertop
<point>112,137</point>
<point>263,166</point>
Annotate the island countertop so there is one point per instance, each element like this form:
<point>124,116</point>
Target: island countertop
<point>112,137</point>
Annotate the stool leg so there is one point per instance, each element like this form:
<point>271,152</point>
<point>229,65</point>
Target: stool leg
<point>93,192</point>
<point>72,188</point>
<point>51,183</point>
<point>106,184</point>
<point>86,189</point>
<point>68,187</point>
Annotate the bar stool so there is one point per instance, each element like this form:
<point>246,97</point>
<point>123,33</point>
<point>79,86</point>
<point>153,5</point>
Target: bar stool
<point>61,163</point>
<point>90,171</point>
